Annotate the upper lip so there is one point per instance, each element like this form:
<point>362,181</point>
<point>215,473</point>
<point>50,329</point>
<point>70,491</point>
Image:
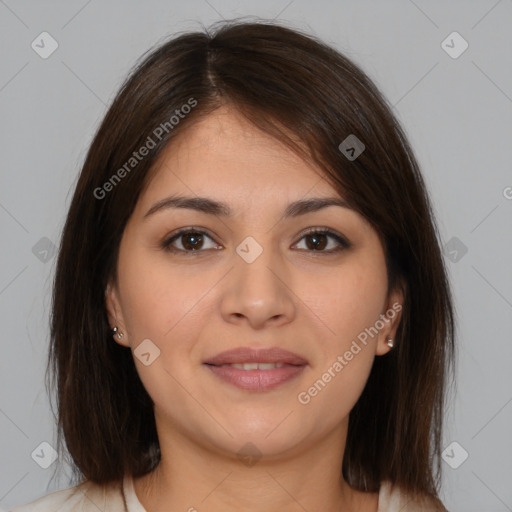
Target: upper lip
<point>252,355</point>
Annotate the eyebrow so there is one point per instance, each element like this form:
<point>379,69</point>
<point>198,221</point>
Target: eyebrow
<point>212,207</point>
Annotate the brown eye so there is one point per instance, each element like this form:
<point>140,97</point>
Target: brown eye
<point>318,239</point>
<point>190,240</point>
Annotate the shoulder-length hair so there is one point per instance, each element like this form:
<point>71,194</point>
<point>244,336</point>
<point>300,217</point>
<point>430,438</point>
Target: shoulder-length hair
<point>309,96</point>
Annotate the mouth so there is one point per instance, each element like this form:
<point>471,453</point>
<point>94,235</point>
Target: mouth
<point>256,370</point>
<point>253,366</point>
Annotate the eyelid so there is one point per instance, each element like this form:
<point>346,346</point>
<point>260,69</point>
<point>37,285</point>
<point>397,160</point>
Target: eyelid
<point>341,239</point>
<point>168,240</point>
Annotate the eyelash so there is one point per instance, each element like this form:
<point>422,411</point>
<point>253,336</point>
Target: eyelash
<point>343,243</point>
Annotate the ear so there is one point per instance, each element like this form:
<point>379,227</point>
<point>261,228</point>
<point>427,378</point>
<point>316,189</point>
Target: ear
<point>114,312</point>
<point>390,317</point>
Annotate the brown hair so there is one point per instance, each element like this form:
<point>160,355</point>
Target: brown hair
<point>285,82</point>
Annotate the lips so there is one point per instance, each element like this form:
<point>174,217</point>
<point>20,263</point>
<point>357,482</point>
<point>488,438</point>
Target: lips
<point>256,370</point>
<point>249,355</point>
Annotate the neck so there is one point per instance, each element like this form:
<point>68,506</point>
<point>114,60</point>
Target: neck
<point>194,478</point>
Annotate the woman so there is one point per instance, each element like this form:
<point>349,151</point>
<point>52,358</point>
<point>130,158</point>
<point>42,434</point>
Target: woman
<point>250,307</point>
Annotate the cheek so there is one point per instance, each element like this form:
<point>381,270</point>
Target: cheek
<point>356,293</point>
<point>163,305</point>
<point>157,297</point>
<point>332,393</point>
<point>350,299</point>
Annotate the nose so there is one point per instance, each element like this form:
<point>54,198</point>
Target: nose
<point>258,293</point>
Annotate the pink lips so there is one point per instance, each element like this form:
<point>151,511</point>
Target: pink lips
<point>257,379</point>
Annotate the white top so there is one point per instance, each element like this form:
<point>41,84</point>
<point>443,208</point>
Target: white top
<point>91,497</point>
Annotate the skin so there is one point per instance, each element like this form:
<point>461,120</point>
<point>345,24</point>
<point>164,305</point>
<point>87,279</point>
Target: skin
<point>195,306</point>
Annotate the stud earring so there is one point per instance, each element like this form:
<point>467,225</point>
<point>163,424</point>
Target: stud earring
<point>115,333</point>
<point>390,343</point>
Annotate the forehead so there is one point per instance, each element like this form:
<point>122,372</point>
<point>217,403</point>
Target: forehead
<point>224,153</point>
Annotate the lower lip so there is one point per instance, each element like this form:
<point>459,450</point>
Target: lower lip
<point>256,380</point>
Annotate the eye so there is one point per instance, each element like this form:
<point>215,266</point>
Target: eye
<point>193,240</point>
<point>317,240</point>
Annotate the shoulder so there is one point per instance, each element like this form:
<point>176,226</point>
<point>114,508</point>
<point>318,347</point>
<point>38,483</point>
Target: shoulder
<point>393,498</point>
<point>85,497</point>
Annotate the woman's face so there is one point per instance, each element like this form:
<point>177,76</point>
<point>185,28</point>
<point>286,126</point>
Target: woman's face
<point>253,280</point>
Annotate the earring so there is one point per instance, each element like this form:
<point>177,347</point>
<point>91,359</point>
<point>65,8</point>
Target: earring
<point>390,343</point>
<point>114,332</point>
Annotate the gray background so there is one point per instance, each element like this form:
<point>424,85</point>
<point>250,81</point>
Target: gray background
<point>456,112</point>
